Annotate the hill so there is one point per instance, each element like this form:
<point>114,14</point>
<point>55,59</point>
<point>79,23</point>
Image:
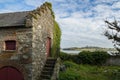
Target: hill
<point>90,48</point>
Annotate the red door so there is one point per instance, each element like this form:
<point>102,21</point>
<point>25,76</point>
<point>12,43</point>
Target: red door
<point>10,73</point>
<point>48,46</point>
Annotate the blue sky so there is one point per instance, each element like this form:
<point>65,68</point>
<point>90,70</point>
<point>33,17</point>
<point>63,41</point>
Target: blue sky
<point>81,21</point>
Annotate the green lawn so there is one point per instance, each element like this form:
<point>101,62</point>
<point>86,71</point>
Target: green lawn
<point>87,72</point>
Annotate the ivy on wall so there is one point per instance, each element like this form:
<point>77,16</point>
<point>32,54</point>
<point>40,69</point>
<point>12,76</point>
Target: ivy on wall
<point>55,51</point>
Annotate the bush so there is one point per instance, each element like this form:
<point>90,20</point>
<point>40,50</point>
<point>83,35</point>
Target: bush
<point>94,58</point>
<point>65,56</point>
<point>86,57</point>
<point>99,58</point>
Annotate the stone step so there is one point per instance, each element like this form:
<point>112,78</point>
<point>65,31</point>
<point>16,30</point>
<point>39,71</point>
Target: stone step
<point>45,76</point>
<point>47,72</point>
<point>51,59</point>
<point>49,65</point>
<point>45,79</point>
<point>50,62</point>
<point>48,69</point>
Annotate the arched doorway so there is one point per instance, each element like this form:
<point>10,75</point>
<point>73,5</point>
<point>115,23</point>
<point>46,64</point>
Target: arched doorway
<point>10,73</point>
<point>48,46</point>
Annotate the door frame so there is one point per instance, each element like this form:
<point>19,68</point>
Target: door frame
<point>48,46</point>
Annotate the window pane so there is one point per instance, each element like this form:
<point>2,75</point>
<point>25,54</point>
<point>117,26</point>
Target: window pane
<point>10,45</point>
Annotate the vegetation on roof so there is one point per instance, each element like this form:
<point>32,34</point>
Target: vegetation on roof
<point>49,5</point>
<point>42,9</point>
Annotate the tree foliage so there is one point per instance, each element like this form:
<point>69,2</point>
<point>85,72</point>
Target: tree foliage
<point>113,33</point>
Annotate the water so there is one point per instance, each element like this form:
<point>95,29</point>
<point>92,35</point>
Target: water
<point>71,51</point>
<point>77,52</point>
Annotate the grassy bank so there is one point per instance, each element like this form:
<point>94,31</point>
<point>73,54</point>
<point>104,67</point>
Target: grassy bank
<point>75,71</point>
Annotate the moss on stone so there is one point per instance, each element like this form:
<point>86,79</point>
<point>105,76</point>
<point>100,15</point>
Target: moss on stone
<point>56,40</point>
<point>55,50</point>
<point>43,8</point>
<point>49,5</point>
<point>56,30</point>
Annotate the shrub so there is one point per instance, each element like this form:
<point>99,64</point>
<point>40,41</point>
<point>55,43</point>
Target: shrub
<point>65,56</point>
<point>75,58</point>
<point>99,58</point>
<point>85,57</point>
<point>94,58</point>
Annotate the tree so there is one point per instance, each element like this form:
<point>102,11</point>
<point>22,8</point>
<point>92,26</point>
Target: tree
<point>113,33</point>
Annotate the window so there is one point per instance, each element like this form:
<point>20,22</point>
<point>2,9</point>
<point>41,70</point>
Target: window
<point>10,45</point>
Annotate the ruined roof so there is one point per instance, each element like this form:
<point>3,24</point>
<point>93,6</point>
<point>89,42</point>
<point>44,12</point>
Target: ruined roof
<point>23,18</point>
<point>13,19</point>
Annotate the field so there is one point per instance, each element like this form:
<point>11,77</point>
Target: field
<point>75,71</point>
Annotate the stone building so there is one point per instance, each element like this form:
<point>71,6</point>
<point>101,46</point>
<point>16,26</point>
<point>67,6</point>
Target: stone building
<point>25,42</point>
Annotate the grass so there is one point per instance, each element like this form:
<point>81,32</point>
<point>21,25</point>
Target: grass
<point>87,72</point>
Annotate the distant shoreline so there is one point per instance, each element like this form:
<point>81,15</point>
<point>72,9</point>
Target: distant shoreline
<point>89,49</point>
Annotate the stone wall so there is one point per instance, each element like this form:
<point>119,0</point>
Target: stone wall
<point>30,50</point>
<point>113,60</point>
<point>22,55</point>
<point>22,36</point>
<point>42,29</point>
<point>55,75</point>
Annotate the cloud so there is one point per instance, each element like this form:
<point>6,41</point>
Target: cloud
<point>85,27</point>
<point>35,3</point>
<point>116,5</point>
<point>105,1</point>
<point>81,21</point>
<point>6,1</point>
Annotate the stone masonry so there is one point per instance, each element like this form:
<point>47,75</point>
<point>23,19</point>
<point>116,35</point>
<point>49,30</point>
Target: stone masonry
<point>30,35</point>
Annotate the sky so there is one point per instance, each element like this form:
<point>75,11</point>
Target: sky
<point>81,21</point>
